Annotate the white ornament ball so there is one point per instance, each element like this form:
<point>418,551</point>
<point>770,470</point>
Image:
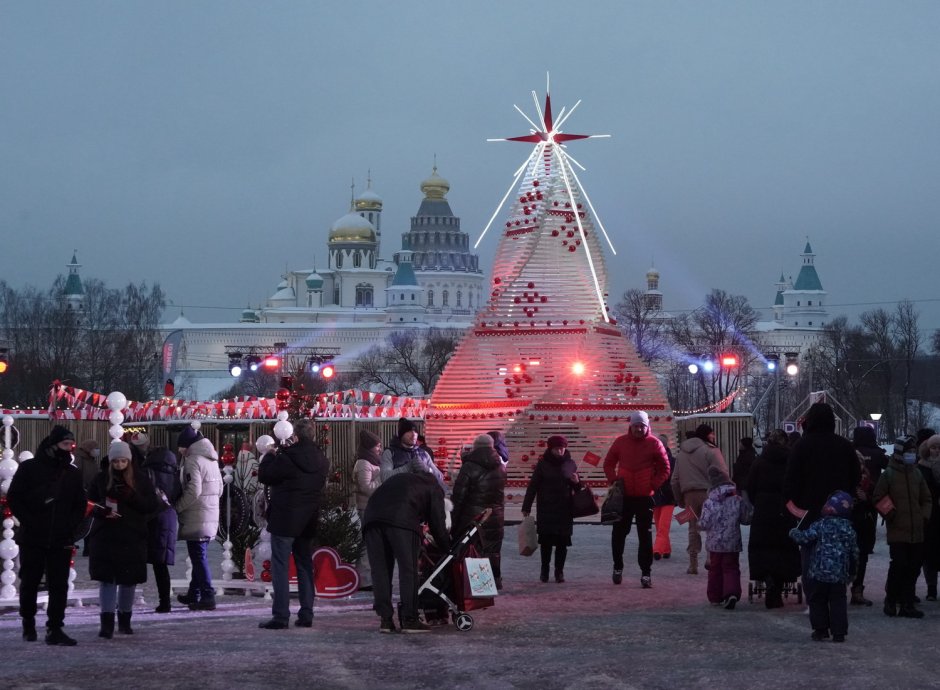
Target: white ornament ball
<point>196,425</point>
<point>5,485</point>
<point>25,455</point>
<point>116,418</point>
<point>283,429</point>
<point>8,551</point>
<point>8,577</point>
<point>117,401</point>
<point>116,431</point>
<point>7,420</point>
<point>263,551</point>
<point>282,416</point>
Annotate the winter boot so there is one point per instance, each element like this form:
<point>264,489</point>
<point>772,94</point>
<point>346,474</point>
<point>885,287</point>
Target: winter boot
<point>29,630</point>
<point>559,575</point>
<point>124,623</point>
<point>858,597</point>
<point>107,626</point>
<point>163,606</point>
<point>890,608</point>
<point>909,611</point>
<point>56,637</point>
<point>543,576</point>
<point>693,564</point>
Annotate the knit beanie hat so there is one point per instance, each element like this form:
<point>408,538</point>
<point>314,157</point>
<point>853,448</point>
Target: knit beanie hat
<point>905,443</point>
<point>188,437</point>
<point>406,425</point>
<point>839,504</point>
<point>139,438</point>
<point>119,449</point>
<point>59,434</point>
<point>716,477</point>
<point>89,445</point>
<point>483,441</point>
<point>368,440</point>
<point>558,441</point>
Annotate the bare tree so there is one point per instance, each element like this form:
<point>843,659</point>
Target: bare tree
<point>724,325</point>
<point>878,327</point>
<point>408,362</point>
<point>906,331</point>
<point>111,343</point>
<point>639,322</point>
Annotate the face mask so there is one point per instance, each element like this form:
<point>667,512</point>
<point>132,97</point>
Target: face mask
<point>909,458</point>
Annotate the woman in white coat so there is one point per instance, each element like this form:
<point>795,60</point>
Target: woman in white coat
<point>368,479</point>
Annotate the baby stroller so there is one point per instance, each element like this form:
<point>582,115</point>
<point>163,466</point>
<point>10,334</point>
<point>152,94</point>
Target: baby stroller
<point>443,588</point>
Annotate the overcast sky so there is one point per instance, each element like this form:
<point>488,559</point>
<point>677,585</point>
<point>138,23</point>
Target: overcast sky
<point>209,145</point>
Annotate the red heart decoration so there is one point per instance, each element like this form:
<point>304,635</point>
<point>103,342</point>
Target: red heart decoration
<point>333,579</point>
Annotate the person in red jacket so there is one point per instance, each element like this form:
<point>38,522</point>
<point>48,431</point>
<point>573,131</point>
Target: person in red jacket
<point>639,460</point>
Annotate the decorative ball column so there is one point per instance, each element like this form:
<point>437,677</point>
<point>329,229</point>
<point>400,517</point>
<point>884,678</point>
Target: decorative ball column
<point>9,549</point>
<point>228,457</point>
<point>117,403</point>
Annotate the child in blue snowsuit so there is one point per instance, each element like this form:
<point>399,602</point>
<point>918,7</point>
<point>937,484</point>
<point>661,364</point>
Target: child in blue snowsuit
<point>832,565</point>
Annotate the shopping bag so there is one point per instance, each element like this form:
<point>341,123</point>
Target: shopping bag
<point>583,502</point>
<point>528,536</point>
<point>478,574</point>
<point>685,515</point>
<point>612,510</point>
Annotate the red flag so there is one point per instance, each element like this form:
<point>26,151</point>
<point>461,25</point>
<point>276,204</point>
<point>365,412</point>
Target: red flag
<point>684,515</point>
<point>592,458</point>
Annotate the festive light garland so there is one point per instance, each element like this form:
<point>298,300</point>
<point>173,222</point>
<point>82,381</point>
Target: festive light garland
<point>719,406</point>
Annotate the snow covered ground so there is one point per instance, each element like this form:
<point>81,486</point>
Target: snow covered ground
<point>585,633</point>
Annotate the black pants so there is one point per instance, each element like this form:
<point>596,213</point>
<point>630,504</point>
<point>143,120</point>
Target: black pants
<point>161,574</point>
<point>860,572</point>
<point>828,609</point>
<point>642,509</point>
<point>55,563</point>
<point>906,560</point>
<point>561,555</point>
<point>387,545</point>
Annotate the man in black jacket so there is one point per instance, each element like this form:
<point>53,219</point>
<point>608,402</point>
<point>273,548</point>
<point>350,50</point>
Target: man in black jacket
<point>392,529</point>
<point>296,475</point>
<point>47,497</point>
<point>820,463</point>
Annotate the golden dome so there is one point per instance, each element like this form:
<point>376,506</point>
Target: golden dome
<point>435,187</point>
<point>352,228</point>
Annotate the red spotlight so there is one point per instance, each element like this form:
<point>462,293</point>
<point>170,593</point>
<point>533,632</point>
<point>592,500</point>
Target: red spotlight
<point>272,362</point>
<point>327,371</point>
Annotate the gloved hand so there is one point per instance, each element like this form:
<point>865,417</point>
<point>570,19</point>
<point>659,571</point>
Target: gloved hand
<point>120,491</point>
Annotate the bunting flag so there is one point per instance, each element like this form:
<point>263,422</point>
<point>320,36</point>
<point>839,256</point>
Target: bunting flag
<point>69,403</point>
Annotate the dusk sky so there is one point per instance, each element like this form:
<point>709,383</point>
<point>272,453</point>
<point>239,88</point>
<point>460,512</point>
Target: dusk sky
<point>208,146</point>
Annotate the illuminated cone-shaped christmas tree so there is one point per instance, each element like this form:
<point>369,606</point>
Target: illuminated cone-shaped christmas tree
<point>543,357</point>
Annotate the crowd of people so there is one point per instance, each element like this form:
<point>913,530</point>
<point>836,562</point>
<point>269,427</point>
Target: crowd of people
<point>812,503</point>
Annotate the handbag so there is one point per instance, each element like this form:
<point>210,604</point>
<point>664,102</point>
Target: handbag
<point>528,536</point>
<point>612,509</point>
<point>583,502</point>
<point>747,510</point>
<point>478,578</point>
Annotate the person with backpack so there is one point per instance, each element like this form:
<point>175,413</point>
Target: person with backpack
<point>162,470</point>
<point>904,500</point>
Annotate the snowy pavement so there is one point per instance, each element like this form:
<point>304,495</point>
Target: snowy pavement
<point>585,633</point>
